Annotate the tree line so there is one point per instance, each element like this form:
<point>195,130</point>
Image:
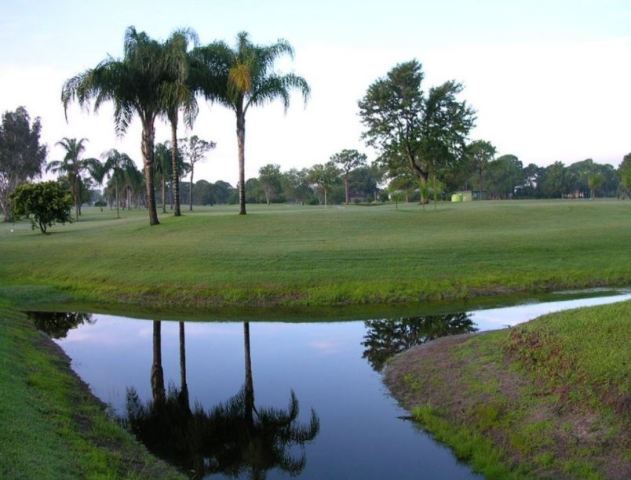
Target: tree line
<point>420,134</point>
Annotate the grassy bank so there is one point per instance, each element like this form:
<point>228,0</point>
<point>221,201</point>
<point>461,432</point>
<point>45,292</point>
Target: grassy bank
<point>548,399</point>
<point>52,427</point>
<point>296,256</point>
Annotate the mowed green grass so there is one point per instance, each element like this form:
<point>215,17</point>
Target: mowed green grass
<point>546,399</point>
<point>323,256</point>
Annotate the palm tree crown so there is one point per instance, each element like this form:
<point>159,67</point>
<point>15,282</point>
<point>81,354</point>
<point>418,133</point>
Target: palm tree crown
<point>241,78</point>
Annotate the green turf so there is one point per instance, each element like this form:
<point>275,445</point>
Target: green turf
<point>51,427</point>
<point>295,255</point>
<point>568,414</point>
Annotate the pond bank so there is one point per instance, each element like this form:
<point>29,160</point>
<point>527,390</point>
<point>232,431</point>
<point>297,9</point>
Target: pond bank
<point>546,399</point>
<point>52,426</point>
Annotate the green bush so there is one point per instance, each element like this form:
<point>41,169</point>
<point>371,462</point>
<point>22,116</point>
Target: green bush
<point>44,203</point>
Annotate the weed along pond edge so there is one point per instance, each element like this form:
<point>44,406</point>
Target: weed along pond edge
<point>545,399</point>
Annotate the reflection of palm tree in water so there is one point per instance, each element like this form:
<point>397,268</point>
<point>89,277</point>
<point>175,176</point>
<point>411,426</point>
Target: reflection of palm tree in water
<point>232,438</point>
<point>387,337</point>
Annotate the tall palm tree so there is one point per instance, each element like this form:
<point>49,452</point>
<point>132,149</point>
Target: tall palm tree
<point>134,84</point>
<point>72,166</point>
<point>241,78</point>
<point>115,164</point>
<point>178,94</point>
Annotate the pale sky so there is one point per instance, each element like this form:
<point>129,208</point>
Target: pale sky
<point>550,80</point>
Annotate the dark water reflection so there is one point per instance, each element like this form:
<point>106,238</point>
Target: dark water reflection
<point>385,338</point>
<point>236,438</point>
<point>221,399</point>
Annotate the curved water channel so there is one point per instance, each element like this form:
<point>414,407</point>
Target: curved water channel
<point>271,399</point>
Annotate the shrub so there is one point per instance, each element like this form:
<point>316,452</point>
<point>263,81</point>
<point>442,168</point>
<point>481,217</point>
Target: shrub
<point>43,203</point>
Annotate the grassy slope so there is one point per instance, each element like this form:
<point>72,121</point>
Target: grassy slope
<point>548,399</point>
<point>316,256</point>
<point>52,428</point>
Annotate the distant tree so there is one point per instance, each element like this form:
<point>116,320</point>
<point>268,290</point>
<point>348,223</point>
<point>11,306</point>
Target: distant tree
<point>21,155</point>
<point>270,179</point>
<point>362,182</point>
<point>624,172</point>
<point>163,170</point>
<point>244,77</point>
<point>424,132</point>
<point>224,192</point>
<point>553,183</point>
<point>347,161</point>
<point>325,177</point>
<point>72,166</point>
<point>296,185</point>
<point>44,203</point>
<point>595,181</point>
<point>194,149</point>
<point>505,173</point>
<point>480,153</point>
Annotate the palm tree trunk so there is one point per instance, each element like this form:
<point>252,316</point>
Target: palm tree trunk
<point>148,134</point>
<point>249,382</point>
<point>76,199</point>
<point>118,215</point>
<point>190,193</point>
<point>241,142</point>
<point>325,197</point>
<point>176,174</point>
<point>183,384</point>
<point>164,193</point>
<point>157,375</point>
<point>346,187</point>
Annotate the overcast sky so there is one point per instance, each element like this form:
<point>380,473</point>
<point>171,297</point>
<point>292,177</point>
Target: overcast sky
<point>550,80</point>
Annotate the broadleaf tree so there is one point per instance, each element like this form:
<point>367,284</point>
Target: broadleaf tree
<point>423,132</point>
<point>348,160</point>
<point>22,157</point>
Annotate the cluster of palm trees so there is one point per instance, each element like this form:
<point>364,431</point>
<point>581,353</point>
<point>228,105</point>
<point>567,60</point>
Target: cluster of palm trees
<point>157,79</point>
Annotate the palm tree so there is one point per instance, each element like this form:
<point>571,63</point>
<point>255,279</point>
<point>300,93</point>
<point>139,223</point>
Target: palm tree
<point>115,164</point>
<point>134,84</point>
<point>72,166</point>
<point>178,94</point>
<point>241,78</point>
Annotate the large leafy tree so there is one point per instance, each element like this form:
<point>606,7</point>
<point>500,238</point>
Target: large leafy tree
<point>424,132</point>
<point>22,157</point>
<point>480,153</point>
<point>348,160</point>
<point>244,77</point>
<point>135,85</point>
<point>178,94</point>
<point>72,167</point>
<point>194,149</point>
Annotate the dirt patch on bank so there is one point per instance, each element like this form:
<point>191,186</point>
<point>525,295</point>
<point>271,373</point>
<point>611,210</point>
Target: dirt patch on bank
<point>470,382</point>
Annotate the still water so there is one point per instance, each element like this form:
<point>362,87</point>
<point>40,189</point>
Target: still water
<point>269,399</point>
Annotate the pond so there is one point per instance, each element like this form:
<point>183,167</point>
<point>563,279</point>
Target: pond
<point>270,399</point>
